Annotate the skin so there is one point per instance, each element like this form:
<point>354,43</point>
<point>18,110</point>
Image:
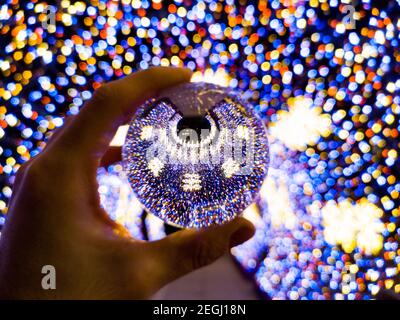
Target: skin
<point>55,216</point>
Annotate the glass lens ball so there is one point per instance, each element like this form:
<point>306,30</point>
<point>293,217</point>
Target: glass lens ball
<point>196,155</point>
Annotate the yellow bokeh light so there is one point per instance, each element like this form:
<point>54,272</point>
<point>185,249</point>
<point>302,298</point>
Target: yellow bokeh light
<point>301,125</point>
<point>276,194</point>
<point>353,225</point>
<point>219,77</point>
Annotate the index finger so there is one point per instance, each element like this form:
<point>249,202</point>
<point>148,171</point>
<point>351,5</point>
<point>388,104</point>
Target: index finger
<point>94,127</point>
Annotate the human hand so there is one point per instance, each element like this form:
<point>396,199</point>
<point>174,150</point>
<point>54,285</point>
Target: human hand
<point>55,216</point>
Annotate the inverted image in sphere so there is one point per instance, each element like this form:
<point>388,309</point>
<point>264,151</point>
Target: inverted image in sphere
<point>196,155</point>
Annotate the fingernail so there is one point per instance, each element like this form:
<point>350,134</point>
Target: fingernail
<point>188,72</point>
<point>244,233</point>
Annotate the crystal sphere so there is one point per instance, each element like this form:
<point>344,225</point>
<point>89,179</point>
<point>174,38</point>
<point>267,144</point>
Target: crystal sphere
<point>196,155</point>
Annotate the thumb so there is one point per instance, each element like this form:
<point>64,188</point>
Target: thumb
<point>188,250</point>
